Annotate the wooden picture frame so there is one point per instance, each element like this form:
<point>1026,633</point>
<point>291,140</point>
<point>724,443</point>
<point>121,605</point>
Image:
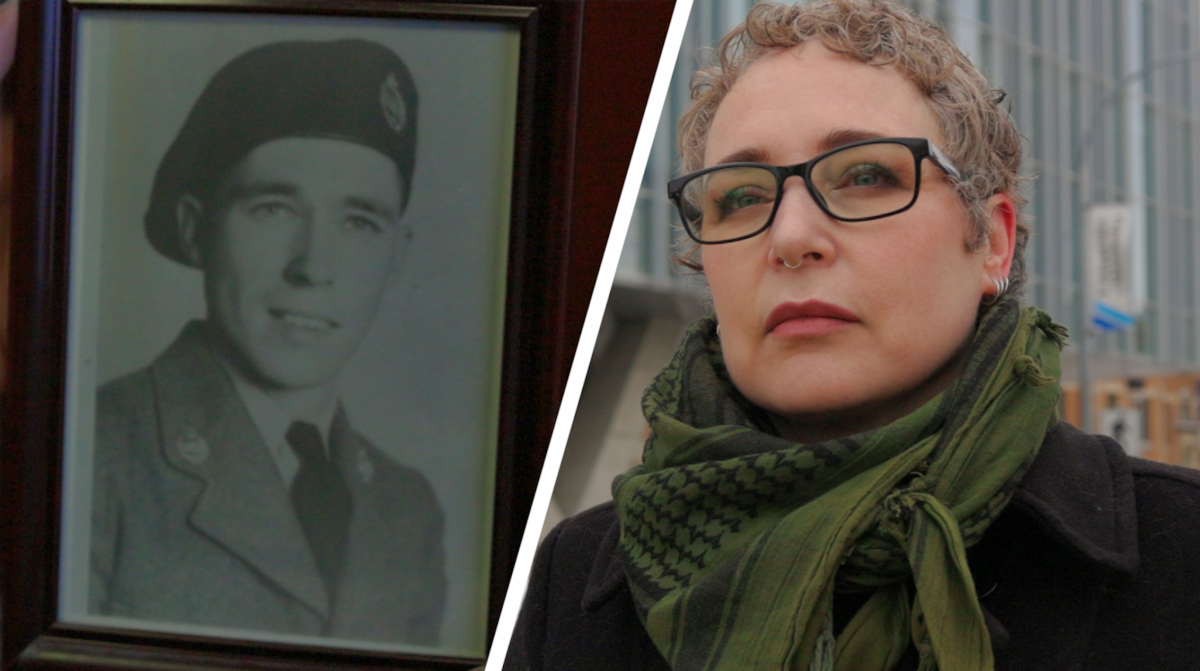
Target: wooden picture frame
<point>46,298</point>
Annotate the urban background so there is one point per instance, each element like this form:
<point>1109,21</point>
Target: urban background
<point>1106,93</point>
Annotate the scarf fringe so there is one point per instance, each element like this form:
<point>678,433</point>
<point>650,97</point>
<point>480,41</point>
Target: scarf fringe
<point>823,657</point>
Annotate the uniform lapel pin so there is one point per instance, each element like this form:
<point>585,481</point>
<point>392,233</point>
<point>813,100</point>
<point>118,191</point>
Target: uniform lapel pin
<point>192,447</point>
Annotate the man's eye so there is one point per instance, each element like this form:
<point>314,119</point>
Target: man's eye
<point>363,224</point>
<point>272,210</point>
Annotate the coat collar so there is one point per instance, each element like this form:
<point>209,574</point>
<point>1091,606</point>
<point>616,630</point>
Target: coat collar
<point>1078,492</point>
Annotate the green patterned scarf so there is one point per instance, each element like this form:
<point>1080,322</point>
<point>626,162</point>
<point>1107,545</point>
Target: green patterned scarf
<point>734,540</point>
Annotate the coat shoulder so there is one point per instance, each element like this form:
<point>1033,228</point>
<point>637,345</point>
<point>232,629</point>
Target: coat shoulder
<point>578,614</point>
<point>126,418</point>
<point>1148,618</point>
<point>1157,474</point>
<point>125,397</point>
<point>585,531</point>
<point>1168,505</point>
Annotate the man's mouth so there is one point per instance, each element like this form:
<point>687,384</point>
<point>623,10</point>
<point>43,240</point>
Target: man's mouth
<point>303,322</point>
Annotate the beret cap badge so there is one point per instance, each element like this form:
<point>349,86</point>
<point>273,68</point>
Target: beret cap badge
<point>393,102</point>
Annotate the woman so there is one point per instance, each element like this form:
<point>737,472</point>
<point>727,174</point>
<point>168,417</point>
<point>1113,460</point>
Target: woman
<point>857,463</point>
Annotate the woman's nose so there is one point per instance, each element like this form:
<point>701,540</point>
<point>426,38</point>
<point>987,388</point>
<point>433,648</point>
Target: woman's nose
<point>801,230</point>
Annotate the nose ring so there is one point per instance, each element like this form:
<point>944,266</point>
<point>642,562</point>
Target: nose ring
<point>798,263</point>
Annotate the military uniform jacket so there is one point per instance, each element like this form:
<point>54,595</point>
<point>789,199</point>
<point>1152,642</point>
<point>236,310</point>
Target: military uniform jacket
<point>192,523</point>
<point>1093,566</point>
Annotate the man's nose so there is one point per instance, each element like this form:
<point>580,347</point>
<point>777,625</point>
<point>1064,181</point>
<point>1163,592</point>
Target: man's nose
<point>311,262</point>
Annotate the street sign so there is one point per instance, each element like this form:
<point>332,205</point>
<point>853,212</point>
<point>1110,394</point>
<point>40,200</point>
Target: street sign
<point>1108,235</point>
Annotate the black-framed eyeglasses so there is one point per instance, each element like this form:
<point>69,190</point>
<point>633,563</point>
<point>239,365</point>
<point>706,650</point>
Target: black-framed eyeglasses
<point>860,181</point>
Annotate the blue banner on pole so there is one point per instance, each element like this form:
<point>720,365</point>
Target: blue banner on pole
<point>1107,318</point>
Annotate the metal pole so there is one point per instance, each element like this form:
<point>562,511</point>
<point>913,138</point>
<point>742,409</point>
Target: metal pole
<point>1085,295</point>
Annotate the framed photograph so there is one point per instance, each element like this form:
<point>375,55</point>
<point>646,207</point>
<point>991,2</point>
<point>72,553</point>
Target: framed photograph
<point>284,284</point>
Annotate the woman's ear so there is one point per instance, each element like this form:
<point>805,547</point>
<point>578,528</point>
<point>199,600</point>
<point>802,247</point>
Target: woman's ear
<point>188,216</point>
<point>1001,241</point>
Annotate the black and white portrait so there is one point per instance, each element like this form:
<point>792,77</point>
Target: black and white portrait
<point>288,261</point>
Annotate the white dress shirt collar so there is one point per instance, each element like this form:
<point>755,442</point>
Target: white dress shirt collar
<point>273,423</point>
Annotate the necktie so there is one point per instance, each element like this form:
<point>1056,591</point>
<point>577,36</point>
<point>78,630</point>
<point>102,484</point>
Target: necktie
<point>321,500</point>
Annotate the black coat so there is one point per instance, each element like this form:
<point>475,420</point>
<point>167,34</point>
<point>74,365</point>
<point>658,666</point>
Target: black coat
<point>1094,565</point>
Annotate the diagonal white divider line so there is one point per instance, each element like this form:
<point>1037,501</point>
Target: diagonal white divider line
<point>587,340</point>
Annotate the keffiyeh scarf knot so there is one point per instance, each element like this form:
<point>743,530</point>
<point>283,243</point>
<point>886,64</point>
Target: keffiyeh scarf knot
<point>735,540</point>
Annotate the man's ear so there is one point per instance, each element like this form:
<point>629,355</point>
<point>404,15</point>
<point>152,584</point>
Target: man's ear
<point>189,213</point>
<point>1001,241</point>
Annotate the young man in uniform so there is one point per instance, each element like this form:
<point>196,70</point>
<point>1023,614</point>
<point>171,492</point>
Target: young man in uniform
<point>230,488</point>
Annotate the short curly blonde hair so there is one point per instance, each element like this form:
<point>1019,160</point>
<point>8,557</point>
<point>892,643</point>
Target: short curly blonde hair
<point>978,135</point>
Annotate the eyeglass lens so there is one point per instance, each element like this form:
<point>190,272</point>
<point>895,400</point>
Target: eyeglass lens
<point>860,182</point>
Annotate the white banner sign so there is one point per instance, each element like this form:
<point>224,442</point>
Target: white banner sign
<point>1124,425</point>
<point>1107,237</point>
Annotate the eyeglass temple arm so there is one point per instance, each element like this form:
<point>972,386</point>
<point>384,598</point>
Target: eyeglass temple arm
<point>943,162</point>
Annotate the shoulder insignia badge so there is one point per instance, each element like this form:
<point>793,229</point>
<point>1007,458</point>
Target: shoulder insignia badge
<point>393,103</point>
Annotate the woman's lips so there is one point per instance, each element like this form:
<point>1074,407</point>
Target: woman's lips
<point>809,318</point>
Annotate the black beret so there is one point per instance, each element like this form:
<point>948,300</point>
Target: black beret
<point>350,90</point>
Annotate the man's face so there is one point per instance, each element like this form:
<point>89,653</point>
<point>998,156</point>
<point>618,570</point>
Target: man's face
<point>297,249</point>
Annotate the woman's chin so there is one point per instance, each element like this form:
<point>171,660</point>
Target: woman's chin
<point>818,426</point>
<point>832,416</point>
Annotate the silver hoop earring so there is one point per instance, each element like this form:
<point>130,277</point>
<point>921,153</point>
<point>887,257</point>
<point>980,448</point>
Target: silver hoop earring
<point>1001,285</point>
<point>718,330</point>
<point>798,263</point>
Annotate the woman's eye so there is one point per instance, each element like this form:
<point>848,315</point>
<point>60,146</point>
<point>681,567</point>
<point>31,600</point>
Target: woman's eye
<point>865,176</point>
<point>740,199</point>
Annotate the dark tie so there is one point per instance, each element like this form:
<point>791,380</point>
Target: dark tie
<point>322,501</point>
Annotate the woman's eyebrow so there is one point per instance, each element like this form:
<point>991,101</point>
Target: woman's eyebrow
<point>748,155</point>
<point>832,140</point>
<point>843,136</point>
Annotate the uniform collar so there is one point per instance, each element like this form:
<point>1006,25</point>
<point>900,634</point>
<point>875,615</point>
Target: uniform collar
<point>273,423</point>
<point>206,432</point>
